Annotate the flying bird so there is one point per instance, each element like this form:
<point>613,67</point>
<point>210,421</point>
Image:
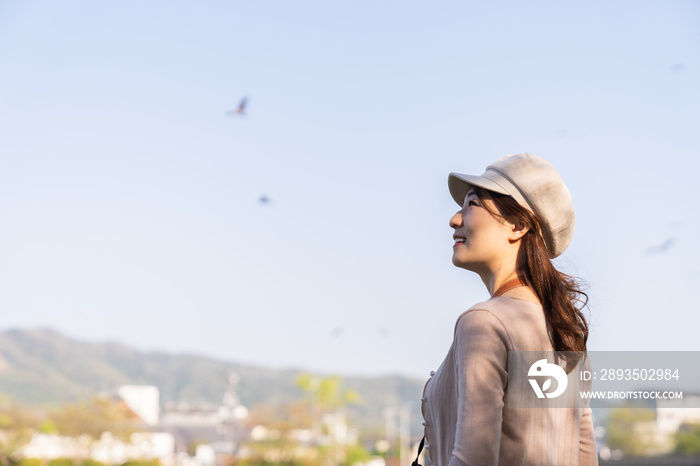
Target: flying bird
<point>661,248</point>
<point>241,108</point>
<point>264,199</point>
<point>677,68</point>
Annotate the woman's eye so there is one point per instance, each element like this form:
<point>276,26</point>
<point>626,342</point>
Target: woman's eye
<point>471,203</point>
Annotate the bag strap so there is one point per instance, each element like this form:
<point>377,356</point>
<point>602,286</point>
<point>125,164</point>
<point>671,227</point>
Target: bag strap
<point>420,449</point>
<point>507,286</point>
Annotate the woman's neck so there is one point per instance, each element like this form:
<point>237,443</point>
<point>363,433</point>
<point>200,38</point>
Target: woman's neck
<point>494,280</point>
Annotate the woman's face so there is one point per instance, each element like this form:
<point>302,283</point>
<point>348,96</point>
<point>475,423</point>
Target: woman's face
<point>481,240</point>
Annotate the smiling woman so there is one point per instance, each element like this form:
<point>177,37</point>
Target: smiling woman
<point>480,237</point>
<point>514,219</point>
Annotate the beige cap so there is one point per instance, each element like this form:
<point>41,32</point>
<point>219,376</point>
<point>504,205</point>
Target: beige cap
<point>536,185</point>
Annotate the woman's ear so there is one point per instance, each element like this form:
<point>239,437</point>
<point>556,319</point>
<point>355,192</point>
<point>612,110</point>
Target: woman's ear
<point>518,230</point>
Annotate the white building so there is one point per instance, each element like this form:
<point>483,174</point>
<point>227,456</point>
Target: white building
<point>143,400</point>
<point>108,449</point>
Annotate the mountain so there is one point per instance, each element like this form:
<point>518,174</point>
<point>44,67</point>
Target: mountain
<point>44,367</point>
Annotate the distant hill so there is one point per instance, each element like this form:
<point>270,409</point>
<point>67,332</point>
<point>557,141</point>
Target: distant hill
<point>44,367</point>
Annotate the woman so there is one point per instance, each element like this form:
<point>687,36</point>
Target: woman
<point>513,220</point>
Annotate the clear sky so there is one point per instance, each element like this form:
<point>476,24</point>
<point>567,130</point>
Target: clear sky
<point>129,200</point>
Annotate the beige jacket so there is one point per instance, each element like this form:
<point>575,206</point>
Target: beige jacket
<point>466,421</point>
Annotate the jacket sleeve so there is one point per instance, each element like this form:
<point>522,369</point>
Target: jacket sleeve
<point>587,452</point>
<point>481,358</point>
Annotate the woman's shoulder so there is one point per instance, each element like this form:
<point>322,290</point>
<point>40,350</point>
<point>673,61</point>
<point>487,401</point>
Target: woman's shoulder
<point>479,316</point>
<point>514,319</point>
<point>506,307</point>
<point>503,312</point>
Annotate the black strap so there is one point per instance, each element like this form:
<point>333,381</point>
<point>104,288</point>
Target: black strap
<point>420,449</point>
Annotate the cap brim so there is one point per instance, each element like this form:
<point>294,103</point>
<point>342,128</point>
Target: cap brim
<point>459,185</point>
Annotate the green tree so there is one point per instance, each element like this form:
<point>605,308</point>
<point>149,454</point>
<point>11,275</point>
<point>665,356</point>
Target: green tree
<point>93,418</point>
<point>356,454</point>
<point>142,463</point>
<point>62,462</point>
<point>17,425</point>
<point>277,442</point>
<point>688,439</point>
<point>89,420</point>
<point>29,462</point>
<point>326,396</point>
<point>326,392</point>
<point>630,429</point>
<point>294,434</point>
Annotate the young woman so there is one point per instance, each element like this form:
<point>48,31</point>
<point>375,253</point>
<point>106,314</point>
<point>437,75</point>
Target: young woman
<point>514,219</point>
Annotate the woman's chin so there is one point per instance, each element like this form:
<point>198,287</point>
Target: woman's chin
<point>457,262</point>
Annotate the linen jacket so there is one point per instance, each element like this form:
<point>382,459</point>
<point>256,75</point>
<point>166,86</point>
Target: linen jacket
<point>467,421</point>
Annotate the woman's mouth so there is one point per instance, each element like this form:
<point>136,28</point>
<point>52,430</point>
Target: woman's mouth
<point>459,240</point>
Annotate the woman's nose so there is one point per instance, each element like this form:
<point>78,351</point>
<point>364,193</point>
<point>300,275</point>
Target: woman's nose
<point>456,220</point>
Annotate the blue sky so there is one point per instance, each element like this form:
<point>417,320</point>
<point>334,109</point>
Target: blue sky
<point>129,198</point>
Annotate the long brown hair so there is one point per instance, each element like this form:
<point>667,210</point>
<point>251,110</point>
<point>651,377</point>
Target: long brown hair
<point>559,293</point>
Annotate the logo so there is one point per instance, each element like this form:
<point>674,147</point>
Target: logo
<point>543,368</point>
